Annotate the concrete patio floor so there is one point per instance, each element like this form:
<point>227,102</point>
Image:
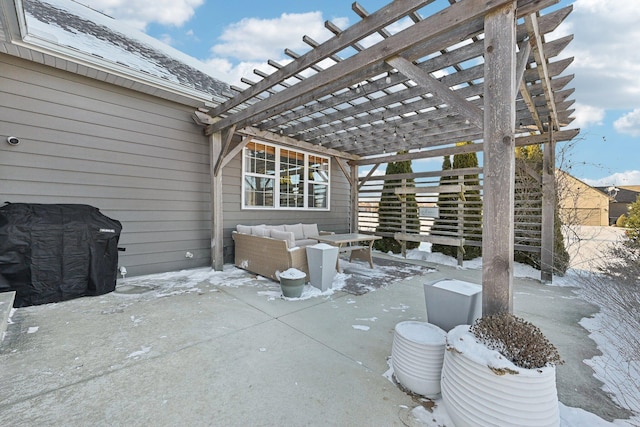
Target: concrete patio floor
<point>231,356</point>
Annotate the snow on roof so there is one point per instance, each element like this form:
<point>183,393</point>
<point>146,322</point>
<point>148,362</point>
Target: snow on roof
<point>72,25</point>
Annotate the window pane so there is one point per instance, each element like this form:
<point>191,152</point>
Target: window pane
<point>319,169</point>
<point>318,196</point>
<point>260,159</point>
<point>258,191</point>
<point>291,179</point>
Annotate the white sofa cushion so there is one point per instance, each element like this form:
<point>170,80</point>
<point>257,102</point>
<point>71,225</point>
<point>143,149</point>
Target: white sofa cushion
<point>296,229</point>
<point>306,242</point>
<point>244,229</point>
<point>310,231</point>
<point>276,227</point>
<point>260,231</point>
<point>286,236</point>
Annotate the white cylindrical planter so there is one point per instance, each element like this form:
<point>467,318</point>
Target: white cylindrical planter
<point>322,259</point>
<point>475,395</point>
<point>417,356</point>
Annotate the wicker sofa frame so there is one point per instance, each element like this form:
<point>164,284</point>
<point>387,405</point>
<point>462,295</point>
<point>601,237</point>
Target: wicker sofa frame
<point>266,256</point>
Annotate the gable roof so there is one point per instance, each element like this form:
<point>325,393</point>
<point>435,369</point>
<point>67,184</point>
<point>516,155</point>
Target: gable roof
<point>623,195</point>
<point>570,181</point>
<point>101,47</point>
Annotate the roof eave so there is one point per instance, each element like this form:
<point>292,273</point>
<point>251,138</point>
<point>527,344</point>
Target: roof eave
<point>156,84</point>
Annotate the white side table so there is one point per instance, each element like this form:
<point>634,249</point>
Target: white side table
<point>322,259</point>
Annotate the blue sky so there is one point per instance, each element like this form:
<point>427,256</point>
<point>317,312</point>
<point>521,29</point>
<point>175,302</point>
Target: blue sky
<point>236,37</point>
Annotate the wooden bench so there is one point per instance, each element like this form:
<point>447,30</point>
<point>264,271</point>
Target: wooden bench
<point>438,240</point>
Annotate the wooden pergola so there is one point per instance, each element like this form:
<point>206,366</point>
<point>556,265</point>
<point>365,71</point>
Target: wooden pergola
<point>418,76</point>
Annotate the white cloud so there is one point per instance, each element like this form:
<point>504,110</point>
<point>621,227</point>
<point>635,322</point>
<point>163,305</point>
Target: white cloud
<point>262,39</point>
<point>620,178</point>
<point>629,124</point>
<point>607,60</point>
<point>252,41</point>
<point>587,115</point>
<point>364,171</point>
<point>140,13</point>
<point>229,72</point>
<point>166,38</point>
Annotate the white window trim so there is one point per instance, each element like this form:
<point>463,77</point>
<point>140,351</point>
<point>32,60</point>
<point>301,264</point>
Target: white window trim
<point>276,184</point>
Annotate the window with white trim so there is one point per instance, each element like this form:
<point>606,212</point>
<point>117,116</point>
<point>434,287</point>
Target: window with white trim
<point>281,178</point>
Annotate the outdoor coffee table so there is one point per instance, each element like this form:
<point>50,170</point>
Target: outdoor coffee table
<point>355,243</point>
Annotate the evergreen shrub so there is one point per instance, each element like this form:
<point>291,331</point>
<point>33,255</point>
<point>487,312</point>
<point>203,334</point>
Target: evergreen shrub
<point>632,224</point>
<point>448,206</point>
<point>621,221</point>
<point>390,210</point>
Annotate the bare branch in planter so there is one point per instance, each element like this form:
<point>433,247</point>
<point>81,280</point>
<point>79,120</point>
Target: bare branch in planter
<point>520,341</point>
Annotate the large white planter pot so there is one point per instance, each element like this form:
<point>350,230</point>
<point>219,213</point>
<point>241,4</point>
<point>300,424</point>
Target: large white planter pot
<point>417,355</point>
<point>475,395</point>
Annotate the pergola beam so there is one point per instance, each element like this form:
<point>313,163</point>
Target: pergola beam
<point>564,135</point>
<point>291,142</point>
<point>533,28</point>
<point>441,91</point>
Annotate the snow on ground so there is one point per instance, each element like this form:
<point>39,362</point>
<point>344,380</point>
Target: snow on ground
<point>620,376</point>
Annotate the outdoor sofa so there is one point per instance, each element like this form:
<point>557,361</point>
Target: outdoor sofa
<point>268,250</point>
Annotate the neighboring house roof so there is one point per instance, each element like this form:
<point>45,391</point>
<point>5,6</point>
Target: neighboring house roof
<point>75,33</point>
<point>586,187</point>
<point>635,188</point>
<point>622,195</point>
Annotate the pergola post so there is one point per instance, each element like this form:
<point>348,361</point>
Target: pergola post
<point>548,209</point>
<point>217,242</point>
<point>499,160</point>
<point>354,198</point>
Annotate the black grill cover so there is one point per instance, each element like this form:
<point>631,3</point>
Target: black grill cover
<point>51,253</point>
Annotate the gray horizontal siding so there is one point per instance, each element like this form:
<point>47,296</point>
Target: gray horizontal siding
<point>139,159</point>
